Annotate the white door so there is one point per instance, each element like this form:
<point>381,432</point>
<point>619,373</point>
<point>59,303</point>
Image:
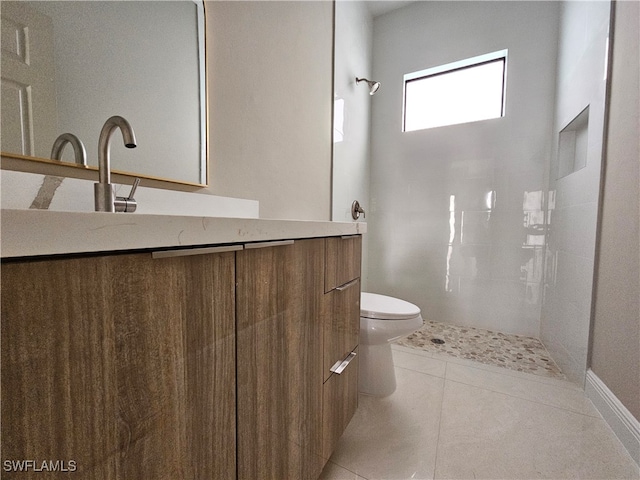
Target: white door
<point>29,120</point>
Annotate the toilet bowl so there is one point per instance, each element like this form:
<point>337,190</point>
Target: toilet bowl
<point>383,319</point>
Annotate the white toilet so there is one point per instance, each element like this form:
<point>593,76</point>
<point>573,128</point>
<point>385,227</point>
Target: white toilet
<point>383,319</point>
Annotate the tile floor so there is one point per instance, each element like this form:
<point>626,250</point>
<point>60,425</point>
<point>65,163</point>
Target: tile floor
<point>452,418</point>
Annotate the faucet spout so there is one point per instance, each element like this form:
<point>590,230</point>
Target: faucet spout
<point>79,151</point>
<point>104,144</point>
<point>105,200</point>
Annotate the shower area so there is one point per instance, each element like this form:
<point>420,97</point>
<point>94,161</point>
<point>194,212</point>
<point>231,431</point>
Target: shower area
<point>488,225</point>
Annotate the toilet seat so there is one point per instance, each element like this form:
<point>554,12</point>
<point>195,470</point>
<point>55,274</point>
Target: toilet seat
<point>382,307</point>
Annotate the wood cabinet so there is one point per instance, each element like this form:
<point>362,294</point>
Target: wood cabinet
<point>208,366</point>
<point>123,364</point>
<point>279,302</point>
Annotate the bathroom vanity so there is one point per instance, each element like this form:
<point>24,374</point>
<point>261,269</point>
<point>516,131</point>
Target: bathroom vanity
<point>152,346</point>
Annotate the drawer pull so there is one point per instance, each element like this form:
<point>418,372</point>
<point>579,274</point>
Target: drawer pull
<point>347,285</point>
<point>252,246</point>
<point>340,365</point>
<point>187,252</point>
<point>347,237</point>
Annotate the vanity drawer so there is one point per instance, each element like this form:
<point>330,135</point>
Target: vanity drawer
<point>339,403</point>
<point>341,324</point>
<point>343,260</point>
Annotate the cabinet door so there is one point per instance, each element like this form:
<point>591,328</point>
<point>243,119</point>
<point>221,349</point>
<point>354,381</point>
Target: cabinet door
<point>59,388</point>
<point>122,363</point>
<point>205,294</point>
<point>279,377</point>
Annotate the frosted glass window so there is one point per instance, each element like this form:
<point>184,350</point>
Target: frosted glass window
<point>460,92</point>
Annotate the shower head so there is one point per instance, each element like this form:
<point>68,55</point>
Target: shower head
<point>373,86</point>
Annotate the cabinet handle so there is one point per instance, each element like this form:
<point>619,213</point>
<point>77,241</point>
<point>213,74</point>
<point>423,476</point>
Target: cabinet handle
<point>347,285</point>
<point>347,237</point>
<point>252,246</point>
<point>186,252</point>
<point>340,365</point>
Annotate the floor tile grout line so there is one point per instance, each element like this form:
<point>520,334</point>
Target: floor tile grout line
<point>486,365</point>
<point>418,371</point>
<point>445,377</point>
<point>568,410</point>
<point>532,377</point>
<point>444,387</point>
<point>528,377</point>
<point>347,469</point>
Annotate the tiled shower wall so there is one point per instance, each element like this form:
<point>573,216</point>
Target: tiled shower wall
<point>573,198</point>
<point>456,223</point>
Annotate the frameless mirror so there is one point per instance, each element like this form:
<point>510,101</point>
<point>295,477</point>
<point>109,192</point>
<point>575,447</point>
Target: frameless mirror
<point>68,66</point>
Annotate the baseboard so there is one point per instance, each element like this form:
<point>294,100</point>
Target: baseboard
<point>625,426</point>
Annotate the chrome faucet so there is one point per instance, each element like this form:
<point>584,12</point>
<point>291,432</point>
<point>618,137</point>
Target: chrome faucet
<point>105,199</point>
<point>78,148</point>
<point>356,210</point>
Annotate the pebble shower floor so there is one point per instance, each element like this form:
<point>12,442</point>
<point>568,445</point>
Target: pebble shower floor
<point>515,352</point>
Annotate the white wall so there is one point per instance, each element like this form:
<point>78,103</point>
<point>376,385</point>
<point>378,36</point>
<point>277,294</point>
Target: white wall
<point>615,356</point>
<point>270,87</point>
<point>573,199</point>
<point>489,274</point>
<point>351,153</point>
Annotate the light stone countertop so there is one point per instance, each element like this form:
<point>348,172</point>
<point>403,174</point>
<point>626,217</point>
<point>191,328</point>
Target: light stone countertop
<point>27,233</point>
